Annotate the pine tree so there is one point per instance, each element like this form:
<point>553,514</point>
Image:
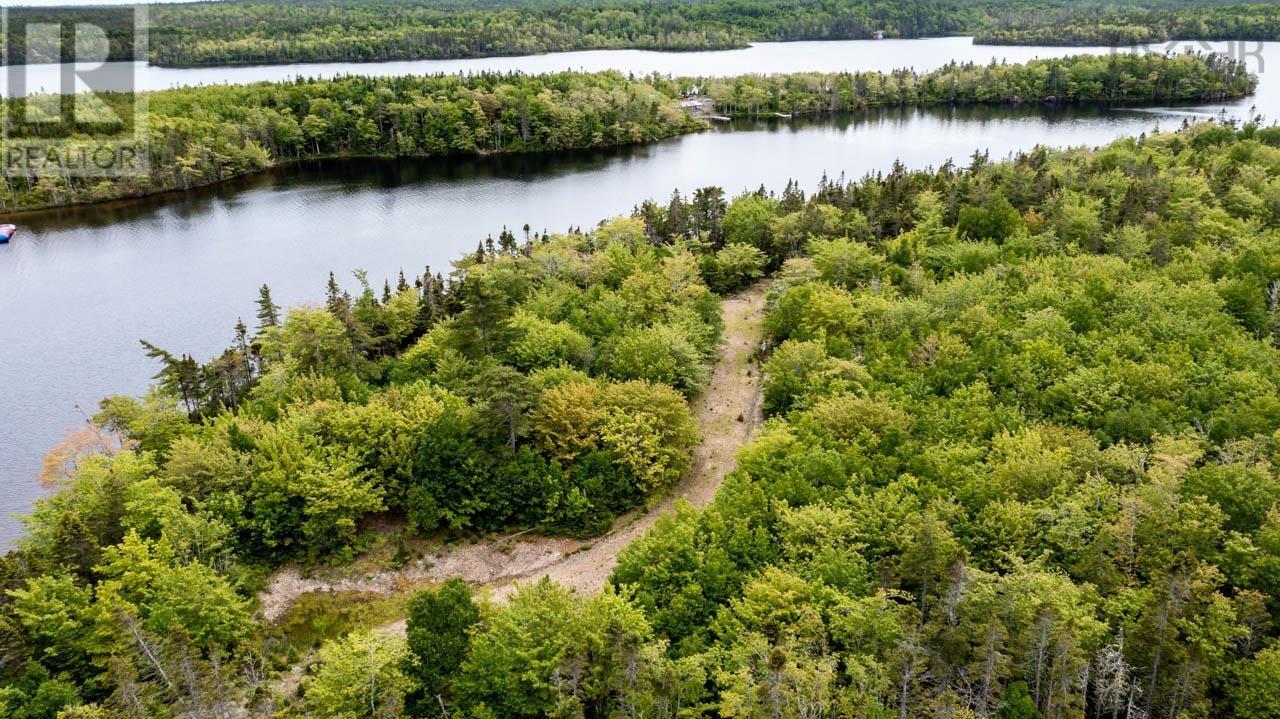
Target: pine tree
<point>333,300</point>
<point>507,241</point>
<point>268,311</point>
<point>242,337</point>
<point>677,216</point>
<point>246,350</point>
<point>428,302</point>
<point>181,377</point>
<point>792,198</point>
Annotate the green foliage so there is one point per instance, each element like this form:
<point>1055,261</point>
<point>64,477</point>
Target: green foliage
<point>204,135</point>
<point>1134,24</point>
<point>995,219</point>
<point>1246,494</point>
<point>200,136</point>
<point>546,344</point>
<point>439,627</point>
<point>602,645</point>
<point>141,579</point>
<point>1253,692</point>
<point>1026,475</point>
<point>748,219</point>
<point>358,677</point>
<point>474,403</point>
<point>273,31</point>
<point>152,421</point>
<point>799,371</point>
<point>1017,703</point>
<point>269,31</point>
<point>844,263</point>
<point>54,612</point>
<point>1020,460</point>
<point>658,354</point>
<point>734,266</point>
<point>1136,77</point>
<point>37,695</point>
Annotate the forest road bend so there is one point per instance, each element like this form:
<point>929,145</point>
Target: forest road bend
<point>727,414</point>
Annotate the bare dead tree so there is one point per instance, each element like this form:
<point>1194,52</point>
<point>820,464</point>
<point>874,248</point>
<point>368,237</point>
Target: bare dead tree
<point>150,651</point>
<point>129,696</point>
<point>992,663</point>
<point>1040,655</point>
<point>1112,678</point>
<point>955,592</point>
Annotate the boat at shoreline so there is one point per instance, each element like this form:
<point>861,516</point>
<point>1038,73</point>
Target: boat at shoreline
<point>6,232</point>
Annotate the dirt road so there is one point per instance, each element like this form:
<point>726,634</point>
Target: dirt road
<point>727,413</point>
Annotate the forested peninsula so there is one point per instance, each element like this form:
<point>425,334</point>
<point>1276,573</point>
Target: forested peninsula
<point>200,136</point>
<point>1020,461</point>
<point>282,31</point>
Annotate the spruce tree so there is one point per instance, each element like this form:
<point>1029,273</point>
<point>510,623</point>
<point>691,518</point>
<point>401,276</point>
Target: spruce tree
<point>268,311</point>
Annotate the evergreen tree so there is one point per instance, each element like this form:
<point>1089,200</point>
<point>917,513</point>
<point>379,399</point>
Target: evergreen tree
<point>268,311</point>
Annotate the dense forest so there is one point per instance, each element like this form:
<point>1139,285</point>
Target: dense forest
<point>542,385</point>
<point>1020,462</point>
<point>1111,25</point>
<point>118,28</point>
<point>280,31</point>
<point>199,136</point>
<point>1023,455</point>
<point>287,31</point>
<point>273,32</point>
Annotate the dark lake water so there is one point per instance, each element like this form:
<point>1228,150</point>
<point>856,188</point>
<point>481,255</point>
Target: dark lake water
<point>80,287</point>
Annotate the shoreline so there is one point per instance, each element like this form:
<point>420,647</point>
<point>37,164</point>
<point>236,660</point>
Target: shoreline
<point>293,163</point>
<point>975,36</point>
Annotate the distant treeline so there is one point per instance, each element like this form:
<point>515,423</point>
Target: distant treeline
<point>199,136</point>
<point>276,31</point>
<point>1135,25</point>
<point>27,42</point>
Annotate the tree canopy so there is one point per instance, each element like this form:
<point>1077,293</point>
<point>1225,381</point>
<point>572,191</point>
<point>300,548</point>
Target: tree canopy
<point>255,32</point>
<point>203,135</point>
<point>1020,461</point>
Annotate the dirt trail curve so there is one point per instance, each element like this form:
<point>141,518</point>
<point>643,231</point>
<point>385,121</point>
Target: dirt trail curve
<point>727,414</point>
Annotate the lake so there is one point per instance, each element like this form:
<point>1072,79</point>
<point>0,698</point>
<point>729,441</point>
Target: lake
<point>80,287</point>
<point>768,57</point>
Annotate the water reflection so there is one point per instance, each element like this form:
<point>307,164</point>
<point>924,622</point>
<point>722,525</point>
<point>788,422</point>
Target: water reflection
<point>373,174</point>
